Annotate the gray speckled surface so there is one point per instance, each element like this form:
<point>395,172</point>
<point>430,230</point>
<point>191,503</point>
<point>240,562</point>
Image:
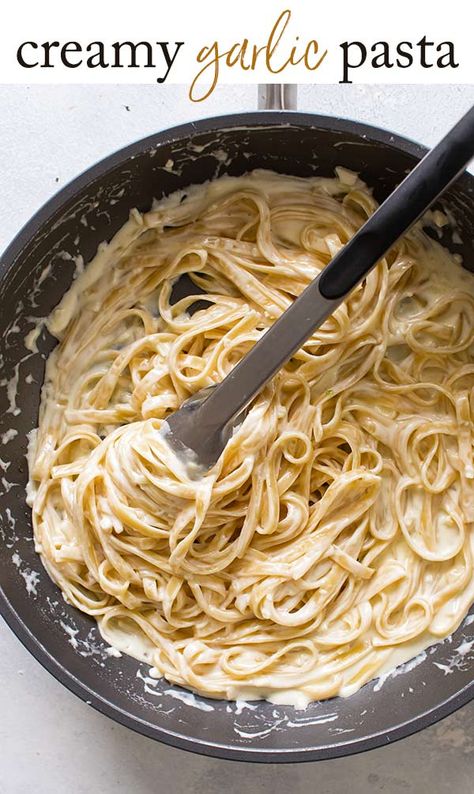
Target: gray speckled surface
<point>50,740</point>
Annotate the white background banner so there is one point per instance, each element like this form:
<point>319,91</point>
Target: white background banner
<point>206,42</point>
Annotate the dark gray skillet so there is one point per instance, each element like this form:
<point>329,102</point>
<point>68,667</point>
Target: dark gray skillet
<point>86,212</point>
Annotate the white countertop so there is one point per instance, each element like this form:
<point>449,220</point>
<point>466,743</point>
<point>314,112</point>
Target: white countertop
<point>49,740</point>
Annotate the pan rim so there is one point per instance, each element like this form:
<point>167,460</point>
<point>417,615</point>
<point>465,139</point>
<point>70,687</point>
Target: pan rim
<point>260,119</point>
<point>252,119</point>
<point>212,749</point>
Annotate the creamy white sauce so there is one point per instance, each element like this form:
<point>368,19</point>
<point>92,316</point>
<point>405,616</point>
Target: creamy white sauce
<point>121,447</point>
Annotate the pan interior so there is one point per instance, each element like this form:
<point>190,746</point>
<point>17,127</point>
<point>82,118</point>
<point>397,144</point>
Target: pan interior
<point>35,272</point>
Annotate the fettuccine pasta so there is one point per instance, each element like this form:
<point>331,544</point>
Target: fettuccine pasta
<point>334,536</point>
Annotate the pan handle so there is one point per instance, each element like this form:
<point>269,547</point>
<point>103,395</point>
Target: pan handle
<point>277,96</point>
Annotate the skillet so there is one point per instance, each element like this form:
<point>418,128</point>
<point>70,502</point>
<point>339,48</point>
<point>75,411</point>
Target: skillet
<point>35,271</point>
